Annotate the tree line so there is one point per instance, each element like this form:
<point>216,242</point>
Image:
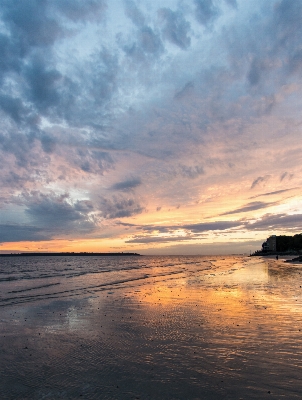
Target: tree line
<point>286,243</point>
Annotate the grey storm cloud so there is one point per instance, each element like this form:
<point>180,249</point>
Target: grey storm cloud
<point>185,91</point>
<point>232,3</point>
<point>43,83</point>
<point>147,41</point>
<point>206,11</point>
<point>13,107</point>
<point>147,44</point>
<point>127,185</point>
<point>15,180</point>
<point>87,98</point>
<point>287,19</point>
<point>26,49</point>
<point>48,143</point>
<point>31,22</point>
<point>255,72</point>
<point>273,35</point>
<point>19,145</point>
<point>36,22</point>
<point>77,10</point>
<point>33,28</point>
<point>56,213</point>
<point>175,28</point>
<point>50,216</point>
<point>133,12</point>
<point>91,161</point>
<point>283,41</point>
<point>22,232</point>
<point>295,62</point>
<point>119,207</point>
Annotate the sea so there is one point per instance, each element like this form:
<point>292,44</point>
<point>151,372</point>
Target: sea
<point>145,327</point>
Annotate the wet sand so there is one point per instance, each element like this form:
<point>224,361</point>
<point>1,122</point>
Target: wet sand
<point>180,328</point>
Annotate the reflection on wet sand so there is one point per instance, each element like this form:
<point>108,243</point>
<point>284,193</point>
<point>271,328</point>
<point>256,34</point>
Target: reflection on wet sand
<point>224,328</point>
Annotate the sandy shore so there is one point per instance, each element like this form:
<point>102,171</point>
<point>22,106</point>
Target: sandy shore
<point>230,328</point>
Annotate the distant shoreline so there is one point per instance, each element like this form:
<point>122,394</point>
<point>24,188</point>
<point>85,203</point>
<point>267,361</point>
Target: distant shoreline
<point>66,254</point>
<point>275,253</point>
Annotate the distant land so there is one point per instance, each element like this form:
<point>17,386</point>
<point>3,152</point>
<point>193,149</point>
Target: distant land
<point>282,245</point>
<point>66,254</point>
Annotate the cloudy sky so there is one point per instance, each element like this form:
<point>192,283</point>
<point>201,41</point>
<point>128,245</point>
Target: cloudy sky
<point>164,127</point>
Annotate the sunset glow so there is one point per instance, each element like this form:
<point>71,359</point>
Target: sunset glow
<point>161,129</point>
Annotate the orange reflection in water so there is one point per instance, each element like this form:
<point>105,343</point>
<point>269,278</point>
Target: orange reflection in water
<point>245,294</point>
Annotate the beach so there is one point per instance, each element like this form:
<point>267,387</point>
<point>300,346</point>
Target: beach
<point>219,327</point>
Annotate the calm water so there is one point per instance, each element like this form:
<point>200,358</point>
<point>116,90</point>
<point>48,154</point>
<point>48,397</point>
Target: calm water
<point>150,328</point>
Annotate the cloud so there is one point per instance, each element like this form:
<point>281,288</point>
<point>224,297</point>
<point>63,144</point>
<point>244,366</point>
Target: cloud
<point>21,146</point>
<point>255,72</point>
<point>286,175</point>
<point>277,222</point>
<point>232,3</point>
<point>185,91</point>
<point>259,180</point>
<point>193,231</point>
<point>158,239</point>
<point>273,193</point>
<point>28,49</point>
<point>253,206</point>
<point>13,107</point>
<point>295,62</point>
<point>206,11</point>
<point>76,10</point>
<point>181,104</point>
<point>212,226</point>
<point>148,45</point>
<point>22,232</point>
<point>43,83</point>
<point>157,228</point>
<point>119,207</point>
<point>127,185</point>
<point>31,22</point>
<point>150,42</point>
<point>133,12</point>
<point>195,228</point>
<point>91,161</point>
<point>191,172</point>
<point>57,214</point>
<point>38,23</point>
<point>49,216</point>
<point>48,143</point>
<point>175,28</point>
<point>287,16</point>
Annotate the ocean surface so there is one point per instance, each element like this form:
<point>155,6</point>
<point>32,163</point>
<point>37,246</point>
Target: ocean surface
<point>150,328</point>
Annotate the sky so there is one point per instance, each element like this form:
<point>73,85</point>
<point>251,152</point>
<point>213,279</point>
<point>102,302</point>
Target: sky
<point>157,127</point>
